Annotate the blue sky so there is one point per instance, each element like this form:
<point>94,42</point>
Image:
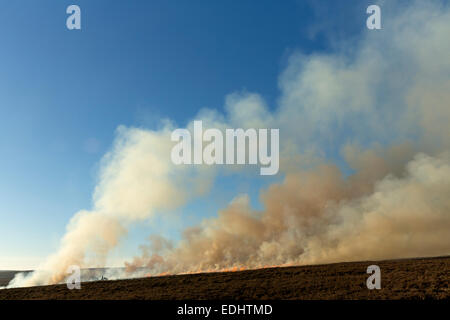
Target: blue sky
<point>63,93</point>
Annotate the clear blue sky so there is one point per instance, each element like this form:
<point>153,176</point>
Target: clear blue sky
<point>63,93</point>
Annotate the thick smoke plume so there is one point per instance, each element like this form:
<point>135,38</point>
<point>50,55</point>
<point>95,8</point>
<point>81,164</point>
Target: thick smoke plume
<point>382,104</point>
<point>136,181</point>
<point>392,95</point>
<point>320,217</point>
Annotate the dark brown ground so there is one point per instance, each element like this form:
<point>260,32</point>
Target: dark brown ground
<point>400,279</point>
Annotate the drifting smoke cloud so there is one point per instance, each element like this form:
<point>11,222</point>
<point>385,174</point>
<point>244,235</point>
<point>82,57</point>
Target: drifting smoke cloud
<point>319,217</point>
<point>384,106</point>
<point>137,179</point>
<point>392,90</point>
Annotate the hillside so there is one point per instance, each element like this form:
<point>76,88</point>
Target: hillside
<point>420,278</point>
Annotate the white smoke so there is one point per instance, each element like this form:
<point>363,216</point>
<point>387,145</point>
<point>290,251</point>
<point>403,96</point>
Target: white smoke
<point>137,179</point>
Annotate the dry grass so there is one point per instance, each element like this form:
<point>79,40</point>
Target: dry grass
<point>426,278</point>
